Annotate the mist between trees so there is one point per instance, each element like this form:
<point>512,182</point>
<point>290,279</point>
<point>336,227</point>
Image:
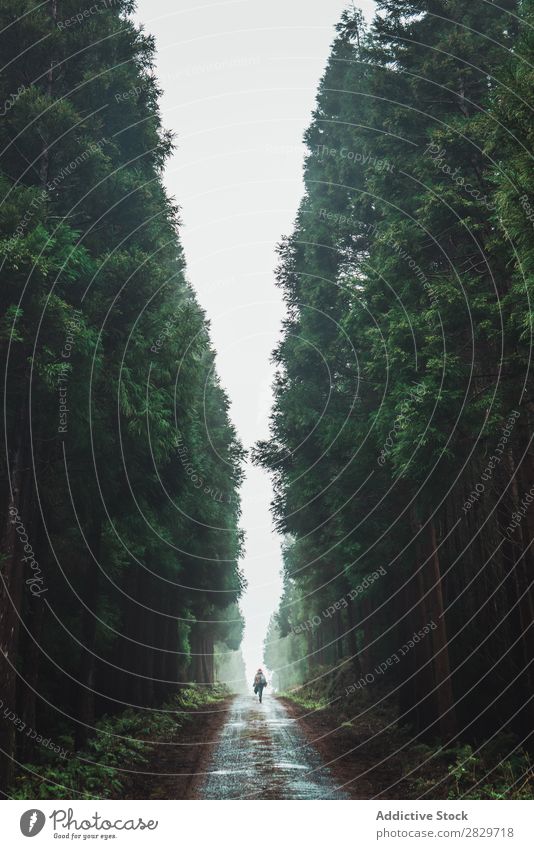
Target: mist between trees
<point>415,275</point>
<point>338,605</point>
<point>403,270</point>
<point>382,668</point>
<point>120,580</point>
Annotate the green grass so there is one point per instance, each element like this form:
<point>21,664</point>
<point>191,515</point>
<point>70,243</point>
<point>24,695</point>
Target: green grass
<point>304,699</point>
<point>462,772</point>
<point>500,769</point>
<point>120,743</point>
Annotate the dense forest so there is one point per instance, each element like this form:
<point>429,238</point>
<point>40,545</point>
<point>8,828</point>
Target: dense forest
<point>402,425</point>
<point>401,433</point>
<point>120,539</point>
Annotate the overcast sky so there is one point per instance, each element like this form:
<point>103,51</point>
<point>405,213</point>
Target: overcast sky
<point>239,80</point>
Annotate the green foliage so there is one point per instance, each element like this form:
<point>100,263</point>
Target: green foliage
<point>120,747</point>
<point>307,702</point>
<point>407,280</point>
<point>499,770</point>
<point>130,464</point>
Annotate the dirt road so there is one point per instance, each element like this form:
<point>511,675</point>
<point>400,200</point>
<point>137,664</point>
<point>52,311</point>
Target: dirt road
<point>263,754</point>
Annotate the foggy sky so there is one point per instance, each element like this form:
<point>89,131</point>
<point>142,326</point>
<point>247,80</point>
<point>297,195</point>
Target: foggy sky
<point>239,81</point>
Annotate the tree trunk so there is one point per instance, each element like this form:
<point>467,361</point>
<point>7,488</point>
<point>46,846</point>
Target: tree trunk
<point>426,710</point>
<point>441,662</point>
<point>11,589</point>
<point>85,702</point>
<point>31,652</point>
<point>196,666</point>
<point>523,565</point>
<point>367,649</point>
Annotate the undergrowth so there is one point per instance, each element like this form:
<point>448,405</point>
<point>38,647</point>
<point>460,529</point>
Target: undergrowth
<point>498,768</point>
<point>120,744</point>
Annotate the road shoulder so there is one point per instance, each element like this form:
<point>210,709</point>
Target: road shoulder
<point>177,765</point>
<point>365,768</point>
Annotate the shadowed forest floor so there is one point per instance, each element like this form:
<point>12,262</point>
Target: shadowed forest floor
<point>279,750</point>
<point>176,766</point>
<point>205,744</point>
<point>237,749</point>
<point>287,748</point>
<point>366,760</point>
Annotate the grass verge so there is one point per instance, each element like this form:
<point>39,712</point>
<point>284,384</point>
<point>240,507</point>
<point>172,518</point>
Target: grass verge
<point>376,757</point>
<point>120,744</point>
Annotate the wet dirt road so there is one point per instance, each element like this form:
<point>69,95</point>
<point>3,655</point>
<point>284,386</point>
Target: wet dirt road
<point>263,754</point>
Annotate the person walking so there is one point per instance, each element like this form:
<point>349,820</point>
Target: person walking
<point>260,682</point>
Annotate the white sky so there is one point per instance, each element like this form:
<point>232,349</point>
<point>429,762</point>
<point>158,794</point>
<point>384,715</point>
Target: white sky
<point>240,79</point>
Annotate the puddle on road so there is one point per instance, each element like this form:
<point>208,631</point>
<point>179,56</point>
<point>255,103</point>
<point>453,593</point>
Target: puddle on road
<point>282,765</point>
<point>252,754</point>
<point>227,772</point>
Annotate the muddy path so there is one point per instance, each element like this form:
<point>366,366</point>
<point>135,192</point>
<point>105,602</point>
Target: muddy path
<point>176,766</point>
<point>262,753</point>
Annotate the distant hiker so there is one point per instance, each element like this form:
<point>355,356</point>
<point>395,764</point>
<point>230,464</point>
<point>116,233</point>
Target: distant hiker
<point>260,681</point>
